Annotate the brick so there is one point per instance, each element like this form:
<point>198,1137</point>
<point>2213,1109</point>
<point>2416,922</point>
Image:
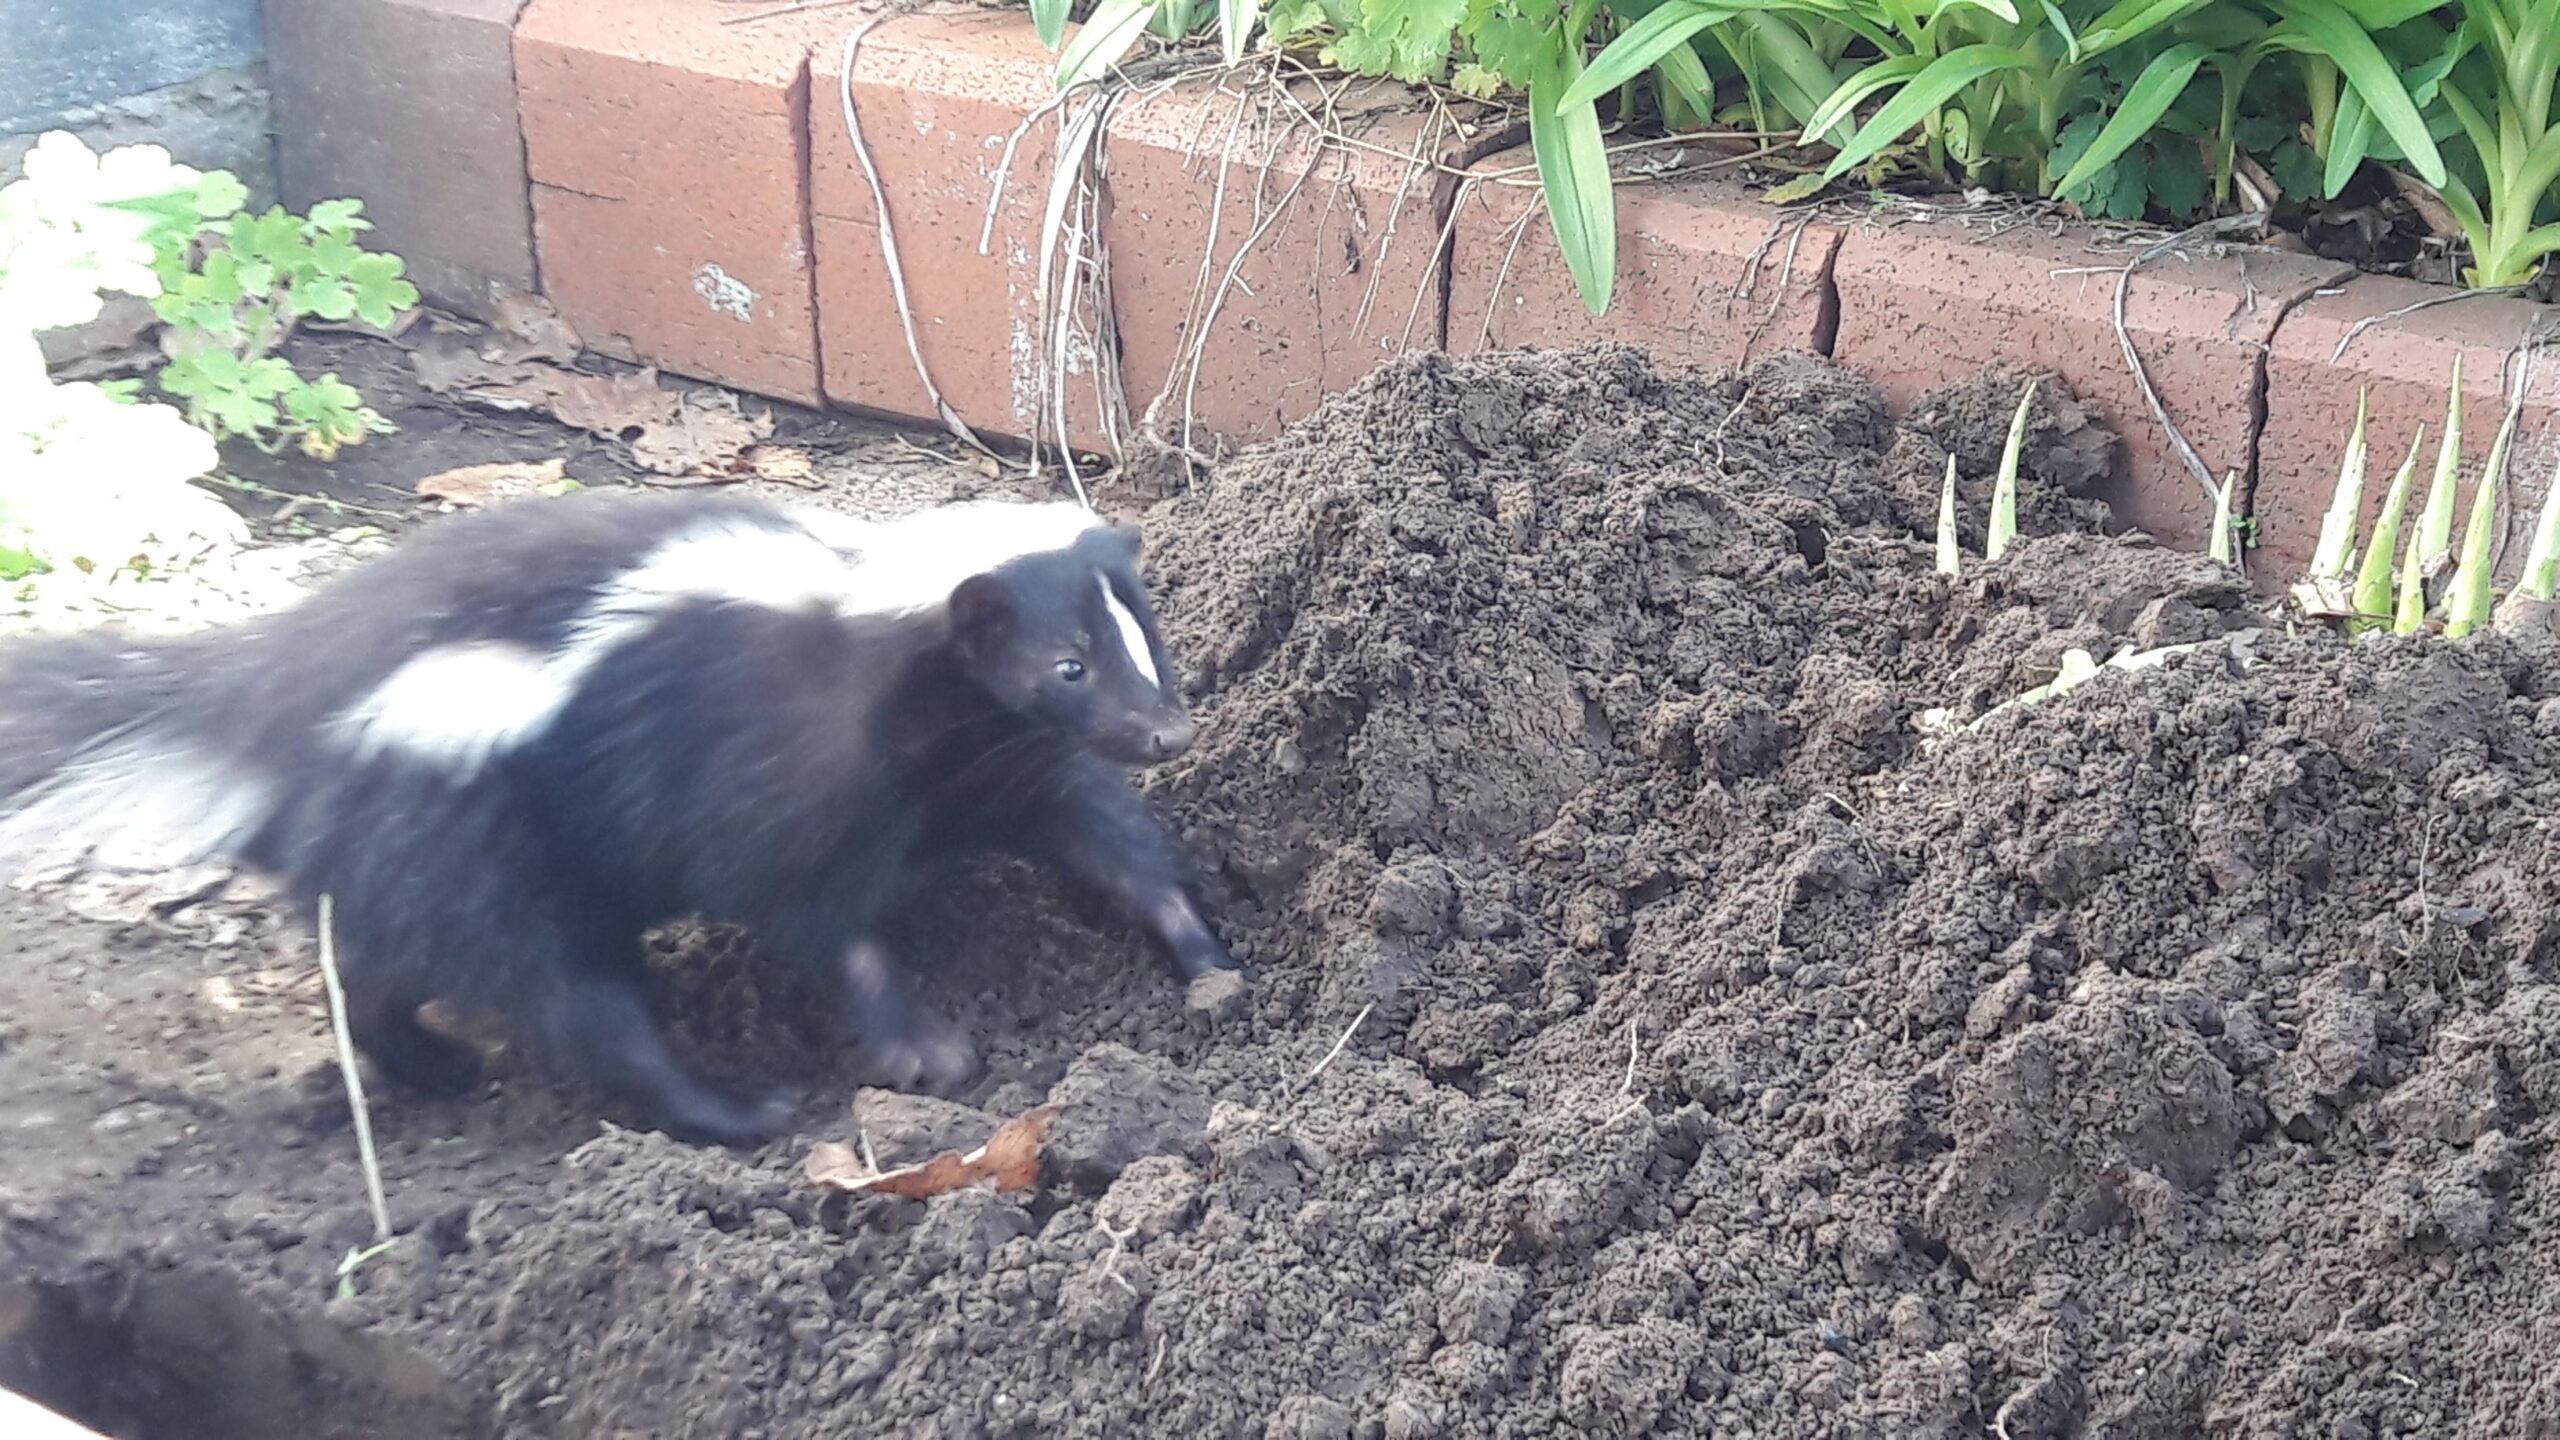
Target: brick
<point>410,106</point>
<point>1332,282</point>
<point>1708,276</point>
<point>670,184</point>
<point>2405,363</point>
<point>1922,304</point>
<point>937,96</point>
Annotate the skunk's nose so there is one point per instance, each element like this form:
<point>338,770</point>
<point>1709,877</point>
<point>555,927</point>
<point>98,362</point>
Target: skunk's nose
<point>1167,741</point>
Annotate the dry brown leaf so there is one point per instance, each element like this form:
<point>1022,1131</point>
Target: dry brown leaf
<point>702,440</point>
<point>782,464</point>
<point>1010,1160</point>
<point>535,331</point>
<point>607,405</point>
<point>506,480</point>
<point>447,362</point>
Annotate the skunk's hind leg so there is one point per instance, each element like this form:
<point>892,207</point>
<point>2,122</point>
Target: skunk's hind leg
<point>596,1027</point>
<point>407,1052</point>
<point>905,1045</point>
<point>469,904</point>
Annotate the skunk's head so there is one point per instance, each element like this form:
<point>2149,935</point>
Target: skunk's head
<point>1066,637</point>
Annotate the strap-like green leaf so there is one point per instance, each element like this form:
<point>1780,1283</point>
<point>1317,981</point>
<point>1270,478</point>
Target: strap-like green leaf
<point>1049,17</point>
<point>1235,26</point>
<point>1115,26</point>
<point>1639,46</point>
<point>2336,35</point>
<point>1853,92</point>
<point>1928,90</point>
<point>1573,167</point>
<point>2145,101</point>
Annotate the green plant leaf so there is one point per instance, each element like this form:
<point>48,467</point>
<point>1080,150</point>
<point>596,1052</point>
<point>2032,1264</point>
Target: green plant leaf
<point>219,195</point>
<point>1235,26</point>
<point>2350,144</point>
<point>1049,18</point>
<point>1406,39</point>
<point>1573,169</point>
<point>1105,38</point>
<point>1852,92</point>
<point>2335,34</point>
<point>380,292</point>
<point>2133,19</point>
<point>1928,90</point>
<point>2179,184</point>
<point>1639,46</point>
<point>2145,101</point>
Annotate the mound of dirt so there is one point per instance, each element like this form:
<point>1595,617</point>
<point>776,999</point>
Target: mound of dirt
<point>1652,1030</point>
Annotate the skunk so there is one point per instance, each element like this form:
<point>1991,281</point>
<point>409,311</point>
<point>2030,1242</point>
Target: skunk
<point>513,744</point>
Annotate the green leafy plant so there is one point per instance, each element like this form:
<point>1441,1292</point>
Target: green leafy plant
<point>91,478</point>
<point>232,293</point>
<point>2470,597</point>
<point>2505,66</point>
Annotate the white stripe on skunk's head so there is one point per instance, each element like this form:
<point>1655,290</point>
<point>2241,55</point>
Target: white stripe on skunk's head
<point>1067,638</point>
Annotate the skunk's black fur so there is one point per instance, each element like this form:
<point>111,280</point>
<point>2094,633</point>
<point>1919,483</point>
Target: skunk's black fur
<point>777,729</point>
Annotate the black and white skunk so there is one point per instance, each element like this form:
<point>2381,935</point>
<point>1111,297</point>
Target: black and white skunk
<point>512,745</point>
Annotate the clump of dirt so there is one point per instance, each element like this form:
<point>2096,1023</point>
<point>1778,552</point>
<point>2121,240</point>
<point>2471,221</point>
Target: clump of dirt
<point>1652,1030</point>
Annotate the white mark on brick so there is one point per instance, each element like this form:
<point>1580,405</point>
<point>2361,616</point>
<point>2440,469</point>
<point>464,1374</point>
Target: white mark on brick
<point>725,293</point>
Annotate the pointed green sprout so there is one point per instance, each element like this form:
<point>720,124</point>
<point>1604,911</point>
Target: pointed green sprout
<point>2542,561</point>
<point>2467,608</point>
<point>2346,501</point>
<point>2218,542</point>
<point>2435,523</point>
<point>2004,491</point>
<point>2373,598</point>
<point>1948,557</point>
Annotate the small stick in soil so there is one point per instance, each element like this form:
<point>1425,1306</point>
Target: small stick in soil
<point>347,1067</point>
<point>1628,1085</point>
<point>1331,1055</point>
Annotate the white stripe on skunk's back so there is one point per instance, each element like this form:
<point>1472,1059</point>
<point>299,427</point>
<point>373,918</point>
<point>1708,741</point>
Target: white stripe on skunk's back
<point>456,707</point>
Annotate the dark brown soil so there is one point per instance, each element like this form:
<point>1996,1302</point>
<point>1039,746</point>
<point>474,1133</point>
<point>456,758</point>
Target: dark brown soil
<point>1650,1030</point>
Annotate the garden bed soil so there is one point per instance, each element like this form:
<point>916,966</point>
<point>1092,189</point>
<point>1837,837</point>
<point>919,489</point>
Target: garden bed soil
<point>1653,1026</point>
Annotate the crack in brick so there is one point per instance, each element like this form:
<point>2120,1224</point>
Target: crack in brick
<point>1445,187</point>
<point>2244,498</point>
<point>797,98</point>
<point>1826,312</point>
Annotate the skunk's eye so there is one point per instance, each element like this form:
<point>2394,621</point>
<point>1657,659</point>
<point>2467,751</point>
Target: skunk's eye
<point>1071,670</point>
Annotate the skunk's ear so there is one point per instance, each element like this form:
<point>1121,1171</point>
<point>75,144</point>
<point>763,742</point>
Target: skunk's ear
<point>1128,536</point>
<point>981,612</point>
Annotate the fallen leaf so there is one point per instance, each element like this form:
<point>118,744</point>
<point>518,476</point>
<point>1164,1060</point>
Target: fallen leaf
<point>782,464</point>
<point>506,480</point>
<point>702,440</point>
<point>1010,1160</point>
<point>535,331</point>
<point>447,363</point>
<point>608,405</point>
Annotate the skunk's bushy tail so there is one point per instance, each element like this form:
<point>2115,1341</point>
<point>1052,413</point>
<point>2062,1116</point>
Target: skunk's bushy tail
<point>96,755</point>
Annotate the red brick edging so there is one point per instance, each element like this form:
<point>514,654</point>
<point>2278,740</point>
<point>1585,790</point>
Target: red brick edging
<point>682,186</point>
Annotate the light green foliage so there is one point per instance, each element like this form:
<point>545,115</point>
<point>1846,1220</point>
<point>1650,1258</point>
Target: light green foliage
<point>2129,109</point>
<point>2435,523</point>
<point>2372,600</point>
<point>92,481</point>
<point>2004,487</point>
<point>2542,561</point>
<point>231,294</point>
<point>2468,607</point>
<point>1949,558</point>
<point>2346,501</point>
